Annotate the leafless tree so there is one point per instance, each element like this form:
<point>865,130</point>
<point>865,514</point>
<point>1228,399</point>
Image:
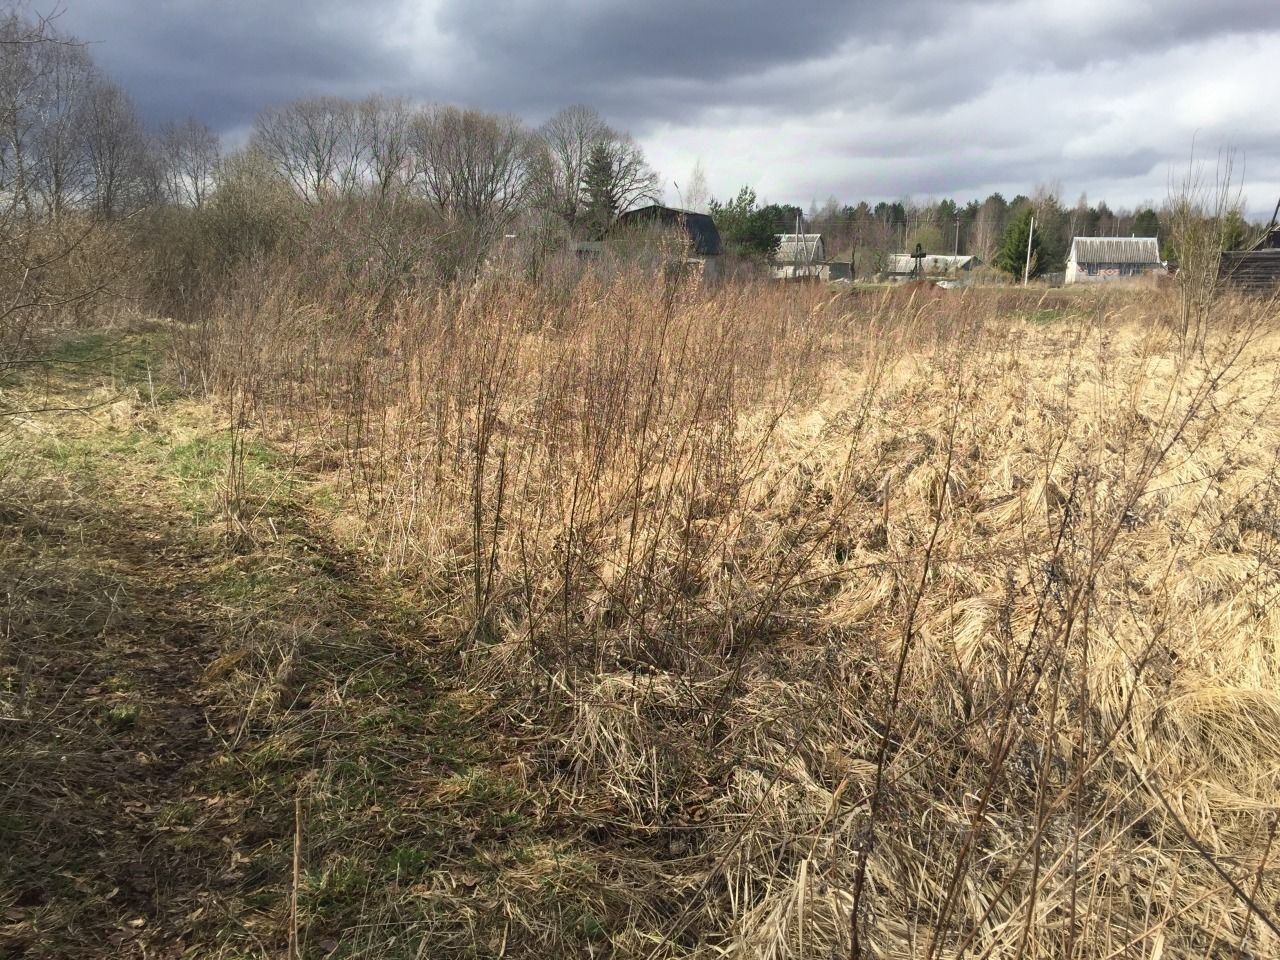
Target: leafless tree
<point>46,172</point>
<point>565,144</point>
<point>187,157</point>
<point>117,149</point>
<point>634,180</point>
<point>19,116</point>
<point>987,227</point>
<point>384,131</point>
<point>472,165</point>
<point>696,194</point>
<point>60,169</point>
<point>314,144</point>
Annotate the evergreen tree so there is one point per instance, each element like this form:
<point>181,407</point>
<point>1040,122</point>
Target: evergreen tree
<point>1146,224</point>
<point>747,229</point>
<point>598,179</point>
<point>1012,255</point>
<point>1233,232</point>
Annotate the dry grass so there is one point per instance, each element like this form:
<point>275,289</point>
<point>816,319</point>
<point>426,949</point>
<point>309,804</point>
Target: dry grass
<point>908,625</point>
<point>935,620</point>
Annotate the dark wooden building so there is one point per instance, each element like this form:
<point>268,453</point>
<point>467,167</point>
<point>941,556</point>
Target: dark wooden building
<point>1256,270</point>
<point>704,238</point>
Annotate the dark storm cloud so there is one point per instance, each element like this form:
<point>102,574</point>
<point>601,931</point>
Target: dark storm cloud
<point>224,61</point>
<point>646,61</point>
<point>631,52</point>
<point>882,97</point>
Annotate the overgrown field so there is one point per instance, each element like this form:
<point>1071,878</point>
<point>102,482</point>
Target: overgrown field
<point>623,618</point>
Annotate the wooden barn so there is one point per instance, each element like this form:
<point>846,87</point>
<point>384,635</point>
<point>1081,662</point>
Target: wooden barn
<point>1103,259</point>
<point>1256,270</point>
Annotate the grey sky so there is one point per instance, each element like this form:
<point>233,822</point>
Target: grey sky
<point>856,99</point>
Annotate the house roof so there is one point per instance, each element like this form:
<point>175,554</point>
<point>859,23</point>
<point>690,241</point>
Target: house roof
<point>800,248</point>
<point>700,228</point>
<point>933,263</point>
<point>1270,240</point>
<point>1115,250</point>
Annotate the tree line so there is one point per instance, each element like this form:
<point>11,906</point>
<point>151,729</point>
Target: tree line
<point>77,162</point>
<point>86,184</point>
<point>995,230</point>
<point>72,140</point>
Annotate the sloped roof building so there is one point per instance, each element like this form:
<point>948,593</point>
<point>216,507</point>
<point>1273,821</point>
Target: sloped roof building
<point>799,256</point>
<point>1256,270</point>
<point>903,265</point>
<point>1099,259</point>
<point>704,237</point>
<point>800,248</point>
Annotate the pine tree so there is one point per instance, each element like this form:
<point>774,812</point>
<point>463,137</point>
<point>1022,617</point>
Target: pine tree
<point>1012,255</point>
<point>1146,224</point>
<point>748,229</point>
<point>598,179</point>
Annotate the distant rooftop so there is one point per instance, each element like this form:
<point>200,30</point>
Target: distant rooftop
<point>1115,250</point>
<point>904,263</point>
<point>699,227</point>
<point>800,248</point>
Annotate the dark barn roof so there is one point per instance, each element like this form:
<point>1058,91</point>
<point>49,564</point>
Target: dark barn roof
<point>1269,240</point>
<point>700,228</point>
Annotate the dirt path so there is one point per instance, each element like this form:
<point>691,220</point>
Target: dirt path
<point>110,639</point>
<point>170,696</point>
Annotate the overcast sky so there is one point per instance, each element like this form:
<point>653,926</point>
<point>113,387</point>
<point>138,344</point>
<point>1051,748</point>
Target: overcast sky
<point>875,99</point>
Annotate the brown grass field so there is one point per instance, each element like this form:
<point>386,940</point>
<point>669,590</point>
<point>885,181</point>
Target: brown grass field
<point>628,619</point>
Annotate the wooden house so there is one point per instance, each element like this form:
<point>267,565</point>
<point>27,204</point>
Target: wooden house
<point>1104,259</point>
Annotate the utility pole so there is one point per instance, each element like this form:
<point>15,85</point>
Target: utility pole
<point>796,246</point>
<point>1026,271</point>
<point>956,251</point>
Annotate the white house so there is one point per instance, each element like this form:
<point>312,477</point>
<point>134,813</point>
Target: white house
<point>799,255</point>
<point>1100,259</point>
<point>902,266</point>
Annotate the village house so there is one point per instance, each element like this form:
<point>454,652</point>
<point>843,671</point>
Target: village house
<point>1103,259</point>
<point>800,256</point>
<point>1257,269</point>
<point>901,267</point>
<point>703,246</point>
<point>677,238</point>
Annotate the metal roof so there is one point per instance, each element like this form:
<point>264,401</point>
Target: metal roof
<point>800,248</point>
<point>1115,250</point>
<point>699,227</point>
<point>904,263</point>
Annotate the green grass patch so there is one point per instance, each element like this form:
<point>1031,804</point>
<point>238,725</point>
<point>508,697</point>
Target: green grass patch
<point>203,467</point>
<point>123,716</point>
<point>132,358</point>
<point>1043,316</point>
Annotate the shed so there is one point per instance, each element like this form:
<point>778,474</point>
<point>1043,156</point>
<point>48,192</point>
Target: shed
<point>704,238</point>
<point>839,267</point>
<point>1102,259</point>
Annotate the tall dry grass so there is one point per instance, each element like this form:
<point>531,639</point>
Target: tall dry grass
<point>895,625</point>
